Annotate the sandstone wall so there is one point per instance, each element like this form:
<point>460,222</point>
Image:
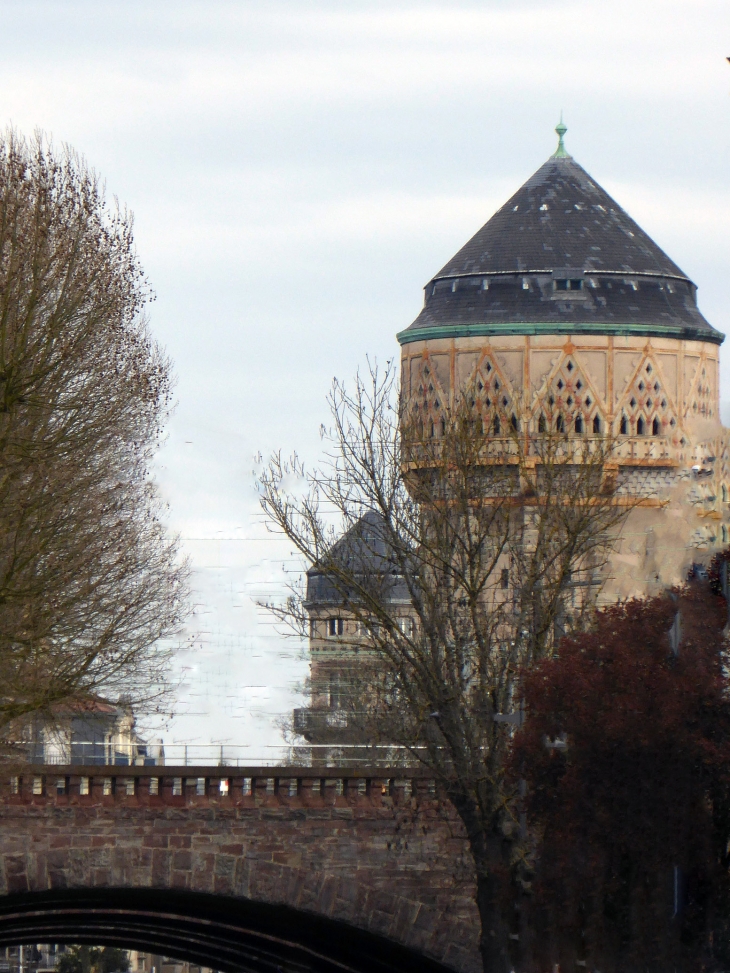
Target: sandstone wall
<point>659,397</point>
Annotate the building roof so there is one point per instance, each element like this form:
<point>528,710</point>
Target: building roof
<point>361,553</point>
<point>560,225</point>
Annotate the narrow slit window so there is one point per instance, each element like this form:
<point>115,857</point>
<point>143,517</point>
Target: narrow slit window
<point>504,578</point>
<point>596,424</point>
<point>624,426</point>
<point>655,428</point>
<point>640,426</point>
<point>579,425</point>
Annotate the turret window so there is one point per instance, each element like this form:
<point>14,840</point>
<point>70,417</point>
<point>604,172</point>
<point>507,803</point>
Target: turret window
<point>335,626</point>
<point>335,690</point>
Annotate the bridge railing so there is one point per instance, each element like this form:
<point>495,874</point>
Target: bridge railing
<point>189,785</point>
<point>94,754</point>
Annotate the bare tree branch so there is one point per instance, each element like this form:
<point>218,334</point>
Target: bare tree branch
<point>91,586</point>
<point>459,556</point>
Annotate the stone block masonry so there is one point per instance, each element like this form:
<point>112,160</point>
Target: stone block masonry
<point>378,850</point>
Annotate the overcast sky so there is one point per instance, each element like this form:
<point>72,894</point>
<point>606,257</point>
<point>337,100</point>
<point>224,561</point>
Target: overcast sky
<point>298,171</point>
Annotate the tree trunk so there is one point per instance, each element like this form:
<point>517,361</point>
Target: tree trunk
<point>491,860</point>
<point>494,939</point>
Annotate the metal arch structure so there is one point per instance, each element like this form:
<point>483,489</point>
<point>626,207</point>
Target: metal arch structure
<point>222,932</point>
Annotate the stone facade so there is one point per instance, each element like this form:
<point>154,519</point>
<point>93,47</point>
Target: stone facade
<point>658,396</point>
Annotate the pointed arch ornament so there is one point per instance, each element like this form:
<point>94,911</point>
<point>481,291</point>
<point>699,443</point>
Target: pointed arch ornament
<point>429,403</point>
<point>568,402</point>
<point>494,399</point>
<point>646,407</point>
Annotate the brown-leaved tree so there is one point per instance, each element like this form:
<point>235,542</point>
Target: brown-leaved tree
<point>626,751</point>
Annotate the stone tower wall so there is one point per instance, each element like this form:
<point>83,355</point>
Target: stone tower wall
<point>658,396</point>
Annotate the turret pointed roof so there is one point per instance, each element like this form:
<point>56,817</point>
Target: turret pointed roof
<point>561,218</point>
<point>561,223</point>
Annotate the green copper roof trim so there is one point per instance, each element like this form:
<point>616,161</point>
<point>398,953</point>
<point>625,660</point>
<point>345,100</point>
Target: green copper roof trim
<point>561,129</point>
<point>585,327</point>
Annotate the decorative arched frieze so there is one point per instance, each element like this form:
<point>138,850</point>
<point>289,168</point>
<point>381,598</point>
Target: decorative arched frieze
<point>493,397</point>
<point>702,395</point>
<point>568,401</point>
<point>646,407</point>
<point>428,401</point>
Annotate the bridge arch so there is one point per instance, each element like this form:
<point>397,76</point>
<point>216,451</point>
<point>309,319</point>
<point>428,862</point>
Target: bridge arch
<point>223,932</point>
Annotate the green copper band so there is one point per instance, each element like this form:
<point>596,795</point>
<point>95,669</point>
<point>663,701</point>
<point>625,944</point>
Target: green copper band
<point>586,327</point>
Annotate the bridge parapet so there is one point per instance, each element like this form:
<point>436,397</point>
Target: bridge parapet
<point>377,852</point>
<point>221,786</point>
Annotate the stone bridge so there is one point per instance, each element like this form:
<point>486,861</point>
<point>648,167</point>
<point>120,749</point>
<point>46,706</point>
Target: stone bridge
<point>240,869</point>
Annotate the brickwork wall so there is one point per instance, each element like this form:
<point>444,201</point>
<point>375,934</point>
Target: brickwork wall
<point>649,481</point>
<point>382,854</point>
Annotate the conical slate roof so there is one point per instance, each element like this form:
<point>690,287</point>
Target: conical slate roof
<point>560,225</point>
<point>561,218</point>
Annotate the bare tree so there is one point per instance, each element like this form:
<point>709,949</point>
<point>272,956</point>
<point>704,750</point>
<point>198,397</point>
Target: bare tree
<point>90,583</point>
<point>472,549</point>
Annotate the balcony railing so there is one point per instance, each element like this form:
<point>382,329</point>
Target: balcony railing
<point>511,449</point>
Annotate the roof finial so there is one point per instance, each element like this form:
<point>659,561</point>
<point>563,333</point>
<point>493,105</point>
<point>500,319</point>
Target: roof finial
<point>561,129</point>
